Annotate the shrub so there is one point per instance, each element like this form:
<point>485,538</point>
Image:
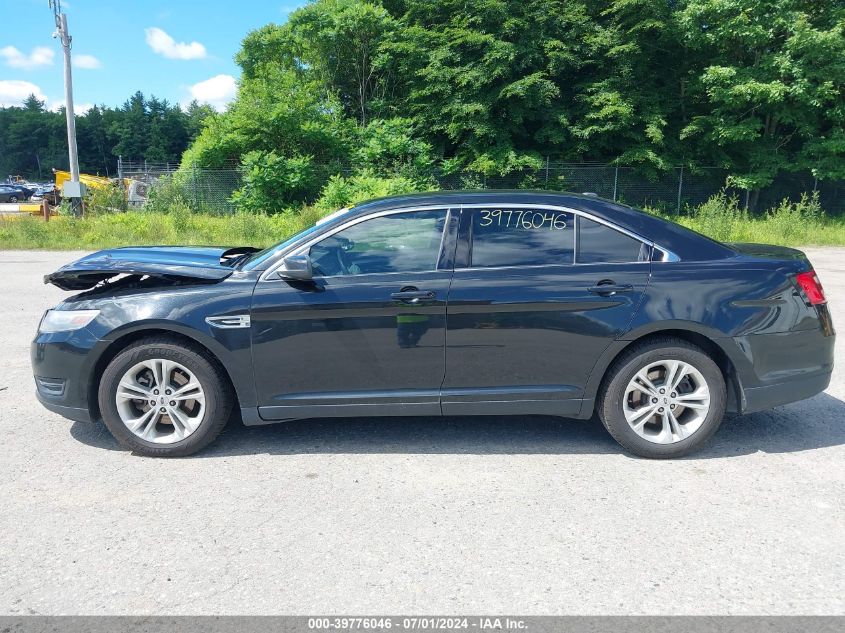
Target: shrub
<point>388,148</point>
<point>110,199</point>
<point>788,224</point>
<point>272,182</point>
<point>472,180</point>
<point>793,219</point>
<point>341,192</point>
<point>168,195</point>
<point>64,208</point>
<point>719,216</point>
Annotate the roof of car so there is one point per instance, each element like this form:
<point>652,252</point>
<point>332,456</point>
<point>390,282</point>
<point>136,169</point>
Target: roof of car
<point>685,243</point>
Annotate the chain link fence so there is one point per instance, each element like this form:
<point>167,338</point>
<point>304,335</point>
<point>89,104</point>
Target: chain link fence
<point>204,190</point>
<point>210,190</point>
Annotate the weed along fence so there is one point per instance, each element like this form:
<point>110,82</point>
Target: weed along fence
<point>672,191</point>
<point>202,189</point>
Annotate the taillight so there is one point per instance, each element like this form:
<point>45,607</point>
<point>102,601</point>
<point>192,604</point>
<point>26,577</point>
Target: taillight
<point>812,287</point>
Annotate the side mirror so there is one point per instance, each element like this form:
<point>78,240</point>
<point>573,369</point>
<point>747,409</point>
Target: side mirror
<point>297,267</point>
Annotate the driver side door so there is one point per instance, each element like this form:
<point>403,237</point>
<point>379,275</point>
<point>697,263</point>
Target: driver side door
<point>366,336</point>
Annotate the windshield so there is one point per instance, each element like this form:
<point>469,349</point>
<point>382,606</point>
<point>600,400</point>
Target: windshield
<point>255,259</point>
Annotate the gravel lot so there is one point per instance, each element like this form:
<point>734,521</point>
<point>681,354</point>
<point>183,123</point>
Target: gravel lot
<point>494,515</point>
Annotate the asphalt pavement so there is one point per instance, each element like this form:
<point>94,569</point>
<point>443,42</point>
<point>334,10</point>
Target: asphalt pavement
<point>428,516</point>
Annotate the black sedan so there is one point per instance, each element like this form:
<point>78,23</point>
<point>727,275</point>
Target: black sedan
<point>26,192</point>
<point>463,303</point>
<point>14,193</point>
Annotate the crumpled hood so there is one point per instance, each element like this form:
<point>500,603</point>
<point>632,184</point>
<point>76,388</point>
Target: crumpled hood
<point>206,263</point>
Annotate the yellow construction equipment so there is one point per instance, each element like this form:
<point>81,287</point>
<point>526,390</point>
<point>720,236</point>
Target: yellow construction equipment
<point>92,182</point>
<point>134,191</point>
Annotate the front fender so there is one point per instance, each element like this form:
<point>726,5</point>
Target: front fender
<point>231,347</point>
<point>180,310</point>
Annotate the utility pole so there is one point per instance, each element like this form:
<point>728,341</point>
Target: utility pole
<point>73,189</point>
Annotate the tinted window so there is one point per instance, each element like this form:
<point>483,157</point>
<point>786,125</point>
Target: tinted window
<point>598,243</point>
<point>521,237</point>
<point>402,242</point>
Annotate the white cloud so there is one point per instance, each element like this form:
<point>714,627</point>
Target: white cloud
<point>86,61</point>
<point>165,45</point>
<point>78,108</point>
<point>13,92</point>
<point>216,92</point>
<point>40,56</point>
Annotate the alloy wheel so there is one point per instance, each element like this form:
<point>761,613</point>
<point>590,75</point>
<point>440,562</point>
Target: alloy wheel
<point>160,401</point>
<point>666,401</point>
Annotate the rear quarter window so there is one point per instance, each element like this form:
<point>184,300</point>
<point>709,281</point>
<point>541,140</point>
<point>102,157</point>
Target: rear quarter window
<point>598,243</point>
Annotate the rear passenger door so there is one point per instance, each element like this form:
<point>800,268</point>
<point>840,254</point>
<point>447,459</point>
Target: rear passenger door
<point>537,295</point>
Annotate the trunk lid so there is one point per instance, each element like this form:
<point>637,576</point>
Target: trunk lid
<point>201,263</point>
<point>768,251</point>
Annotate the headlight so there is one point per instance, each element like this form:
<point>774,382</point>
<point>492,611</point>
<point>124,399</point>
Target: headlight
<point>66,320</point>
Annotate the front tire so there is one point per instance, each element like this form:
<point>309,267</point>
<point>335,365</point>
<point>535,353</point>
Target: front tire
<point>663,399</point>
<point>161,398</point>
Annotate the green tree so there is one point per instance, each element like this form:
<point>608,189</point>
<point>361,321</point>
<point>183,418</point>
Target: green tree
<point>131,129</point>
<point>33,140</point>
<point>196,115</point>
<point>629,100</point>
<point>167,130</point>
<point>770,93</point>
<point>483,91</point>
<point>494,86</point>
<point>341,43</point>
<point>92,143</point>
<point>276,111</point>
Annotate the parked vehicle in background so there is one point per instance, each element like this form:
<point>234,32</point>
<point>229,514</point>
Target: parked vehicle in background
<point>9,193</point>
<point>24,192</point>
<point>48,193</point>
<point>458,303</point>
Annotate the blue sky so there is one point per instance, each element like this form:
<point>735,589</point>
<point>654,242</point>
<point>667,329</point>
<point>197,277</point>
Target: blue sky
<point>177,49</point>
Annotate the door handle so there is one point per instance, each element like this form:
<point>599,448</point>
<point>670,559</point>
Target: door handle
<point>413,296</point>
<point>607,288</point>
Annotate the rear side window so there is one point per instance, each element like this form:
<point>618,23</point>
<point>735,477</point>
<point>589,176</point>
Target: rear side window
<point>521,237</point>
<point>598,243</point>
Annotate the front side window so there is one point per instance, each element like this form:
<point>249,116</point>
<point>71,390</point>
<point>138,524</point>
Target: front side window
<point>598,243</point>
<point>396,243</point>
<point>521,237</point>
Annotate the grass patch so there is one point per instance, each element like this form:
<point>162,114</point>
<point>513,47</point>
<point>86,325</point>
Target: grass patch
<point>799,223</point>
<point>144,228</point>
<point>829,232</point>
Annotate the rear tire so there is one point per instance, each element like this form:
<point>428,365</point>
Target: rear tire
<point>650,414</point>
<point>183,398</point>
